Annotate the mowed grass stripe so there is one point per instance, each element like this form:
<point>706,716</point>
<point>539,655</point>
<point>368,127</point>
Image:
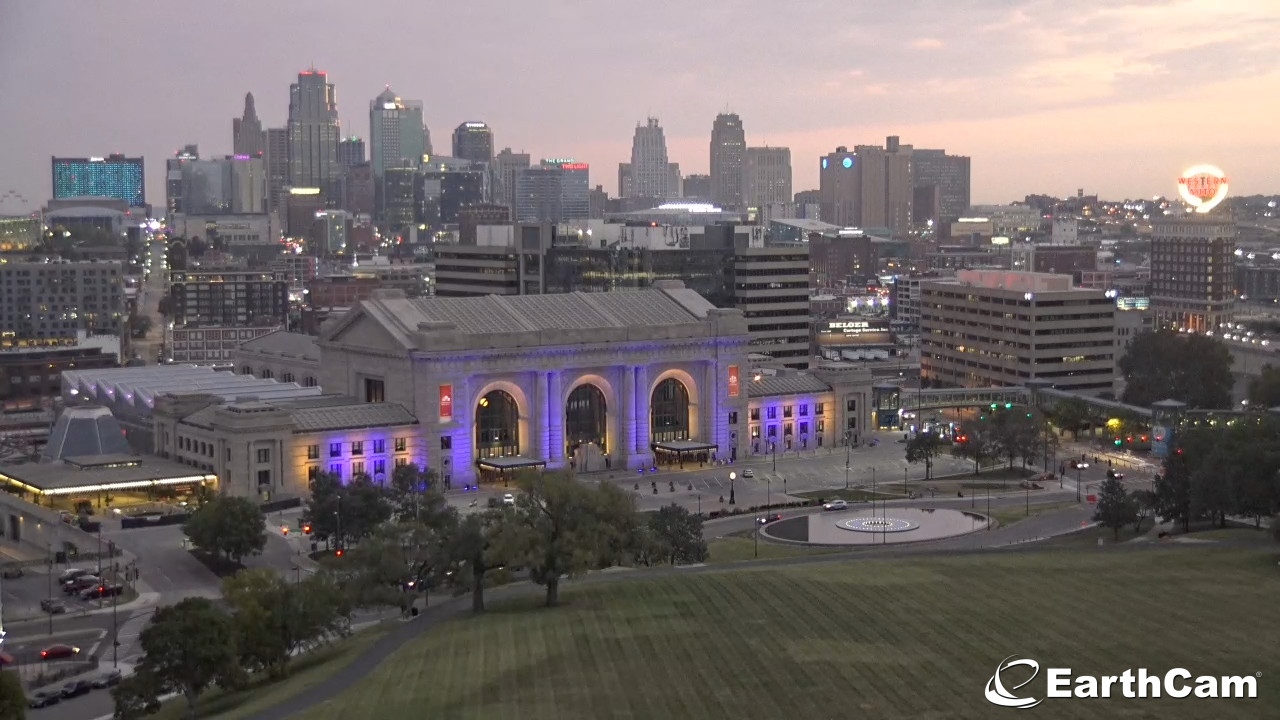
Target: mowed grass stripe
<point>923,635</point>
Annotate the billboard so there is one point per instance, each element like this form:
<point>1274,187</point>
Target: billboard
<point>734,383</point>
<point>446,402</point>
<point>849,332</point>
<point>1203,187</point>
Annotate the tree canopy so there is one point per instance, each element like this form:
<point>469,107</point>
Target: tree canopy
<point>188,647</point>
<point>1264,390</point>
<point>233,527</point>
<point>1188,367</point>
<point>924,447</point>
<point>1115,507</point>
<point>13,701</point>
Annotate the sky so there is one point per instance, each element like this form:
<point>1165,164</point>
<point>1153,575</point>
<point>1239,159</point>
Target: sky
<point>1045,96</point>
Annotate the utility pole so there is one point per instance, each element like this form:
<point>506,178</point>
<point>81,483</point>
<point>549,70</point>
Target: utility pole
<point>115,604</point>
<point>50,548</point>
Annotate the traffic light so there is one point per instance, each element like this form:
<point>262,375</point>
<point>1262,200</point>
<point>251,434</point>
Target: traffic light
<point>1117,442</point>
<point>306,529</point>
<point>284,530</point>
<point>1008,406</point>
<point>338,552</point>
<point>993,406</point>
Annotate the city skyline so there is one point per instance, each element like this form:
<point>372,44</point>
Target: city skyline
<point>1059,98</point>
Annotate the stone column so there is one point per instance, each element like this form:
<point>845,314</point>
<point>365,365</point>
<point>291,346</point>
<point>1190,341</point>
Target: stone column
<point>555,415</point>
<point>642,410</point>
<point>710,402</point>
<point>544,413</point>
<point>625,411</point>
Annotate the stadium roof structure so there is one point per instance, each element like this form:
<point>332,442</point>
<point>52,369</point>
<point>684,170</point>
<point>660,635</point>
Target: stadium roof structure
<point>137,387</point>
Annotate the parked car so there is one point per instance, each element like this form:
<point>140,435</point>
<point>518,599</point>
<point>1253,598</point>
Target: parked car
<point>53,607</point>
<point>76,688</point>
<point>80,583</point>
<point>71,574</point>
<point>94,592</point>
<point>59,652</point>
<point>748,473</point>
<point>111,679</point>
<point>766,519</point>
<point>44,698</point>
<point>836,505</point>
<point>508,499</point>
<point>11,572</point>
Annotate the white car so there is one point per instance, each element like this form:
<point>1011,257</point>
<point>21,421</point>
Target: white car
<point>508,499</point>
<point>748,473</point>
<point>836,505</point>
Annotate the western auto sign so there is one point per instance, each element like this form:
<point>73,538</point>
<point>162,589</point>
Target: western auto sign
<point>1203,187</point>
<point>446,402</point>
<point>734,385</point>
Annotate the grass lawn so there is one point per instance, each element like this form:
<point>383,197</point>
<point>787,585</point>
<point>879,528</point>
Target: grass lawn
<point>851,495</point>
<point>1236,532</point>
<point>897,638</point>
<point>306,672</point>
<point>732,549</point>
<point>1010,515</point>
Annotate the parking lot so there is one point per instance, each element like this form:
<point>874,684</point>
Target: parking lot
<point>23,595</point>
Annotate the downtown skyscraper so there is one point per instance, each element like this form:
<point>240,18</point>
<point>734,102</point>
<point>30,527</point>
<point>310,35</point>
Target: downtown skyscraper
<point>247,136</point>
<point>396,136</point>
<point>650,172</point>
<point>313,132</point>
<point>473,141</point>
<point>728,150</point>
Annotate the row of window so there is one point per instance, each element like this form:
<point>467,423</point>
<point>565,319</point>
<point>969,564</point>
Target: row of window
<point>772,412</point>
<point>378,447</point>
<point>378,467</point>
<point>820,425</point>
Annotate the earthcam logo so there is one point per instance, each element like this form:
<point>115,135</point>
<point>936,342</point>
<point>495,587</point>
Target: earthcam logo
<point>1060,683</point>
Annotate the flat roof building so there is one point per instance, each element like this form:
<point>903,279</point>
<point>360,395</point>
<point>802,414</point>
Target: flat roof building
<point>1193,273</point>
<point>990,328</point>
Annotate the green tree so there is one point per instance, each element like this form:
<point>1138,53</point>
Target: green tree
<point>473,553</point>
<point>1173,491</point>
<point>679,534</point>
<point>414,493</point>
<point>924,447</point>
<point>233,527</point>
<point>1264,390</point>
<point>13,701</point>
<point>273,618</point>
<point>1144,506</point>
<point>1016,434</point>
<point>1115,507</point>
<point>401,560</point>
<point>1189,367</point>
<point>976,443</point>
<point>561,528</point>
<point>136,696</point>
<point>187,648</point>
<point>346,512</point>
<point>1072,414</point>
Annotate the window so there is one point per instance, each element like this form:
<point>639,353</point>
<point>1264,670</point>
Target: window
<point>786,429</point>
<point>374,390</point>
<point>335,450</point>
<point>755,432</point>
<point>264,455</point>
<point>851,405</point>
<point>804,429</point>
<point>772,413</point>
<point>357,468</point>
<point>755,414</point>
<point>401,444</point>
<point>264,477</point>
<point>446,442</point>
<point>312,471</point>
<point>402,461</point>
<point>786,411</point>
<point>313,452</point>
<point>773,431</point>
<point>379,467</point>
<point>733,418</point>
<point>804,410</point>
<point>853,423</point>
<point>819,408</point>
<point>357,447</point>
<point>379,447</point>
<point>336,470</point>
<point>820,425</point>
<point>228,454</point>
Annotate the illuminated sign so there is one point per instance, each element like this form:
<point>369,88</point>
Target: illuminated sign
<point>574,166</point>
<point>474,124</point>
<point>446,402</point>
<point>847,162</point>
<point>734,384</point>
<point>1203,187</point>
<point>558,161</point>
<point>304,191</point>
<point>849,326</point>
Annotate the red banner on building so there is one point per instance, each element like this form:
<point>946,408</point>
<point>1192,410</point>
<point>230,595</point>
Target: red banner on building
<point>446,402</point>
<point>733,381</point>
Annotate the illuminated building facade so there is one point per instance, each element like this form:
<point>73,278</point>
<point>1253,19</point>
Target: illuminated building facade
<point>791,410</point>
<point>58,299</point>
<point>557,190</point>
<point>114,176</point>
<point>593,381</point>
<point>1193,267</point>
<point>473,141</point>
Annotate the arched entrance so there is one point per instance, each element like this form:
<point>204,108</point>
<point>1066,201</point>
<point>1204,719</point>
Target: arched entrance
<point>585,416</point>
<point>669,411</point>
<point>497,425</point>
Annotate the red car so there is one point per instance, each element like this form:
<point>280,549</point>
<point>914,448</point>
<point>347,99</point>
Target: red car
<point>59,652</point>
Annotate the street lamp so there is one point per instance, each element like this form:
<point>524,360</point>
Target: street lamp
<point>846,474</point>
<point>1079,467</point>
<point>773,451</point>
<point>732,476</point>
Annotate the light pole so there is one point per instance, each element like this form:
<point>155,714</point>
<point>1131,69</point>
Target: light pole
<point>732,476</point>
<point>846,474</point>
<point>773,452</point>
<point>50,547</point>
<point>768,497</point>
<point>1079,467</point>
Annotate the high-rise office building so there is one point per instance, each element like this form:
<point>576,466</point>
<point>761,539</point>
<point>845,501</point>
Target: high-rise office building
<point>506,167</point>
<point>650,174</point>
<point>313,132</point>
<point>946,181</point>
<point>989,328</point>
<point>234,184</point>
<point>113,176</point>
<point>395,193</point>
<point>247,137</point>
<point>871,187</point>
<point>277,168</point>
<point>44,300</point>
<point>175,179</point>
<point>697,187</point>
<point>675,181</point>
<point>473,141</point>
<point>771,288</point>
<point>396,138</point>
<point>766,176</point>
<point>440,194</point>
<point>840,188</point>
<point>624,180</point>
<point>899,187</point>
<point>350,152</point>
<point>728,150</point>
<point>1193,273</point>
<point>556,190</point>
